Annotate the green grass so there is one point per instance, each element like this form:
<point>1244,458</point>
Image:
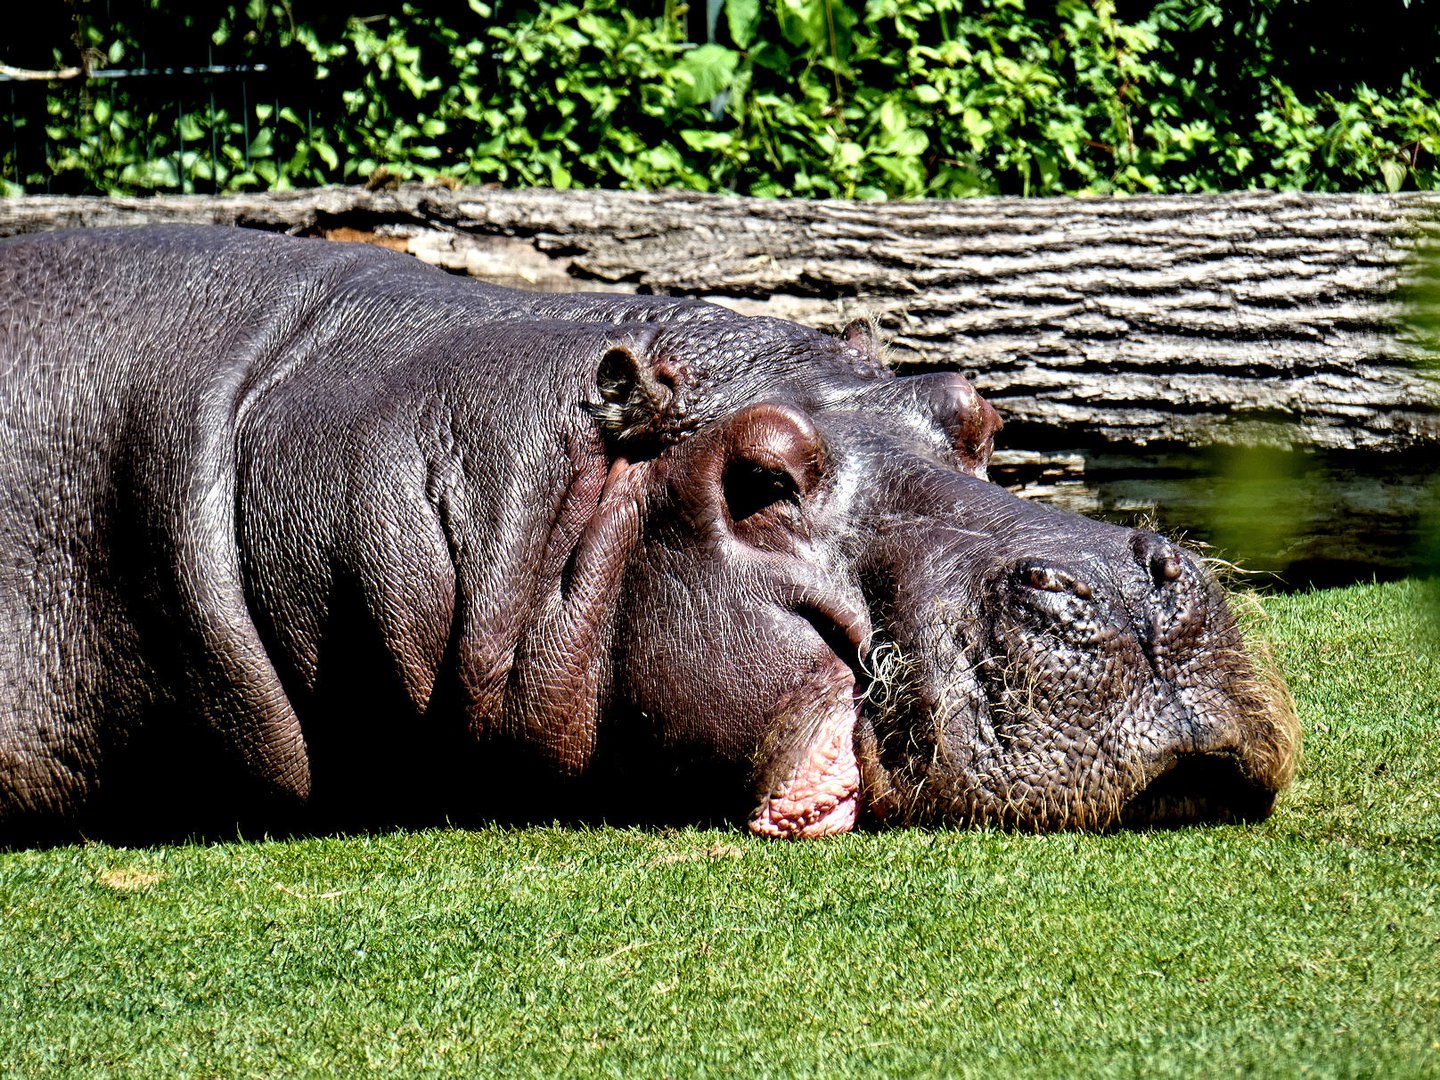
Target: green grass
<point>1309,945</point>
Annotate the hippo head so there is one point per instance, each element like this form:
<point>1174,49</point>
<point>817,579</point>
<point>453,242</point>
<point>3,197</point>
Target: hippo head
<point>829,595</point>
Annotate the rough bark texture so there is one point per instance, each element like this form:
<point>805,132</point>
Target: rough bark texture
<point>1228,365</point>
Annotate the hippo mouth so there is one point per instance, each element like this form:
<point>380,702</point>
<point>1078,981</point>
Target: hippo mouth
<point>811,773</point>
<point>1198,789</point>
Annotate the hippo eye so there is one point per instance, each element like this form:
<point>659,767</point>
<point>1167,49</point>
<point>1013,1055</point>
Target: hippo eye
<point>750,488</point>
<point>773,460</point>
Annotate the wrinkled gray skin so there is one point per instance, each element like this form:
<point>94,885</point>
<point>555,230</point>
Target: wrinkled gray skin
<point>295,533</point>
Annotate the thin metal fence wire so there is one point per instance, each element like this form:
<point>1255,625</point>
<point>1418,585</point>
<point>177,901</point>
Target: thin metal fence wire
<point>46,110</point>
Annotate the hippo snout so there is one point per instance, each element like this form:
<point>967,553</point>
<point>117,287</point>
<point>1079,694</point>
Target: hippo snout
<point>1092,678</point>
<point>1161,597</point>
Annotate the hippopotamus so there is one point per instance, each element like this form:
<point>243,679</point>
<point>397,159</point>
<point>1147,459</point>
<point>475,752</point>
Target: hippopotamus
<point>311,534</point>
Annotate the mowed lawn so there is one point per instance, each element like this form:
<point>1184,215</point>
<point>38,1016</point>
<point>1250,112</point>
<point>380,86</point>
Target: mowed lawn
<point>1308,945</point>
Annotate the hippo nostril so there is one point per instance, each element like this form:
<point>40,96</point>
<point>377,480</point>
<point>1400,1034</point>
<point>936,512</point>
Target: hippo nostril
<point>1053,579</point>
<point>1046,601</point>
<point>1159,557</point>
<point>1042,577</point>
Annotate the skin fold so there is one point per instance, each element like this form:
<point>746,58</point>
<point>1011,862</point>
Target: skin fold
<point>308,535</point>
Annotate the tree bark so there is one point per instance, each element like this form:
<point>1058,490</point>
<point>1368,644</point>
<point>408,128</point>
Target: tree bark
<point>1176,358</point>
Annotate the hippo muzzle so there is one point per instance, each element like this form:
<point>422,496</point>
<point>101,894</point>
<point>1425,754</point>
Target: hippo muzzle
<point>1046,672</point>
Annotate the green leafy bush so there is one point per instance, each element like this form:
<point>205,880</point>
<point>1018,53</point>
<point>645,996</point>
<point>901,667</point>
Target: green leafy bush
<point>886,98</point>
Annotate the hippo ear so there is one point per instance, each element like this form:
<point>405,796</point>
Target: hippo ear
<point>860,334</point>
<point>638,397</point>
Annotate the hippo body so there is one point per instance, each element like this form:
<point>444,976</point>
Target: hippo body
<point>296,532</point>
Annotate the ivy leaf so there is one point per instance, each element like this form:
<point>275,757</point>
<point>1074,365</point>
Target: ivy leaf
<point>803,22</point>
<point>703,72</point>
<point>743,17</point>
<point>699,139</point>
<point>1394,173</point>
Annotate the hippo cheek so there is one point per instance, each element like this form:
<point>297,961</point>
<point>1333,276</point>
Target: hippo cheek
<point>764,691</point>
<point>746,629</point>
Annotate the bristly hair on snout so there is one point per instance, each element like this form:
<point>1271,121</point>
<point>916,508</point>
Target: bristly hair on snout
<point>1103,779</point>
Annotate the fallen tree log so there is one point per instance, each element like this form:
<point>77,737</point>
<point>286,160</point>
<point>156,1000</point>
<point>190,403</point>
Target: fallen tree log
<point>1230,366</point>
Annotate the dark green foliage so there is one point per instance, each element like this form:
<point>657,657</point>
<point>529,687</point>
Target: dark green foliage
<point>885,98</point>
